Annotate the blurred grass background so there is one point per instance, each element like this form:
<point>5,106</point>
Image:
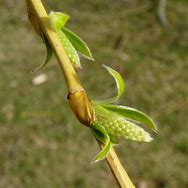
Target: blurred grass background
<point>41,142</point>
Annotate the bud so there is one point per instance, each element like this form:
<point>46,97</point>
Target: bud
<point>82,107</point>
<point>118,127</point>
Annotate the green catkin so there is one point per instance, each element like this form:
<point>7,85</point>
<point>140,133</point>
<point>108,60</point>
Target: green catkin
<point>118,127</point>
<point>69,49</point>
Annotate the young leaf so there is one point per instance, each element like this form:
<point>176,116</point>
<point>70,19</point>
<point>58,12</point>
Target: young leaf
<point>103,153</point>
<point>133,114</point>
<point>99,132</point>
<point>49,53</point>
<point>78,43</point>
<point>101,135</point>
<point>119,83</point>
<point>58,19</point>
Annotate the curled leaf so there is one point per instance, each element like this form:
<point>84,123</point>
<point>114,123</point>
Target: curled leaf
<point>101,135</point>
<point>49,53</point>
<point>132,114</point>
<point>78,43</point>
<point>119,83</point>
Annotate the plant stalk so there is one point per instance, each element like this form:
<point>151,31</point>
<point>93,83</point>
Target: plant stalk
<point>117,170</point>
<point>40,21</point>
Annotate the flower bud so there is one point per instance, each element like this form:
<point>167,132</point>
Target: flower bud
<point>82,107</point>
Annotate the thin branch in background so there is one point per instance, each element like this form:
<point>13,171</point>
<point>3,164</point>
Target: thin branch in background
<point>161,12</point>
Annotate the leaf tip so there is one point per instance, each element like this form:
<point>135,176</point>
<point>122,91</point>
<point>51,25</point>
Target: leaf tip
<point>154,126</point>
<point>155,129</point>
<point>90,57</point>
<point>94,161</point>
<point>104,66</point>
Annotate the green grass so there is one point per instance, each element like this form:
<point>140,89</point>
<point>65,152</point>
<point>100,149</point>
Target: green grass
<point>41,142</point>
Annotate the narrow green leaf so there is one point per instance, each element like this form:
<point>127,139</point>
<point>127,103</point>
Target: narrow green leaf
<point>78,43</point>
<point>58,19</point>
<point>103,153</point>
<point>99,132</point>
<point>49,53</point>
<point>132,114</point>
<point>101,135</point>
<point>119,83</point>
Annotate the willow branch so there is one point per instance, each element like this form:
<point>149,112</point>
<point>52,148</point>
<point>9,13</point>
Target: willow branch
<point>40,21</point>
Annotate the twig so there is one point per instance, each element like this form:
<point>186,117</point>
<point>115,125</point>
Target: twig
<point>161,12</point>
<point>39,20</point>
<point>117,169</point>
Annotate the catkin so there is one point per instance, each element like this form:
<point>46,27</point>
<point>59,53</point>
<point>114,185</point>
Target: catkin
<point>118,127</point>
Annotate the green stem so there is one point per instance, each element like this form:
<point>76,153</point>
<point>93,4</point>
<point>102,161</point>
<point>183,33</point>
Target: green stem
<point>80,103</point>
<point>118,171</point>
<point>120,174</point>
